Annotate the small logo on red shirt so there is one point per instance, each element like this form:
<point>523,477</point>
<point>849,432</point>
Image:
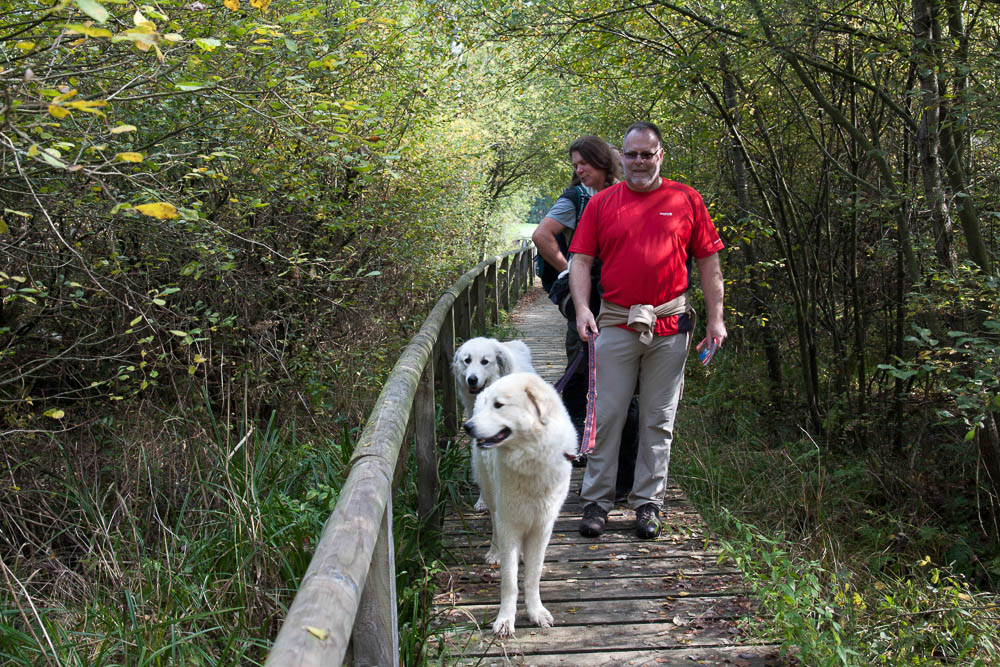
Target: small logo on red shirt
<point>666,212</point>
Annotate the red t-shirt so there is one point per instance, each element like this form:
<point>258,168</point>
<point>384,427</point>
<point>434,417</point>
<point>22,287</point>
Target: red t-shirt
<point>646,241</point>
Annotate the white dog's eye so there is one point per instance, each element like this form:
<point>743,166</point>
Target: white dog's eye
<point>468,360</point>
<point>485,362</point>
<point>497,405</point>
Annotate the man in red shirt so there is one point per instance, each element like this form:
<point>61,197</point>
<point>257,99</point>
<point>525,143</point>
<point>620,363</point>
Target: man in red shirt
<point>646,231</point>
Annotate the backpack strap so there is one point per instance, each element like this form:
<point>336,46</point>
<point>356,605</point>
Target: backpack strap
<point>582,196</point>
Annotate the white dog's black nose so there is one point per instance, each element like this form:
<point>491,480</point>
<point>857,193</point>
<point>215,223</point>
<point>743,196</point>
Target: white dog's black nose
<point>473,381</point>
<point>468,427</point>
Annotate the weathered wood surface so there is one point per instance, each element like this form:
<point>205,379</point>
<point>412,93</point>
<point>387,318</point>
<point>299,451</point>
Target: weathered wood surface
<point>616,600</point>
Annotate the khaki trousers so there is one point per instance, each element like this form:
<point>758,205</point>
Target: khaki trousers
<point>659,369</point>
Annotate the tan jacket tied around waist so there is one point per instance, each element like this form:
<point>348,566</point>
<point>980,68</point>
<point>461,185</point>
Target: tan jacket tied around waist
<point>642,317</point>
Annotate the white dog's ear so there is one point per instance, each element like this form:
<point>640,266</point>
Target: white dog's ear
<point>541,399</point>
<point>456,360</point>
<point>504,361</point>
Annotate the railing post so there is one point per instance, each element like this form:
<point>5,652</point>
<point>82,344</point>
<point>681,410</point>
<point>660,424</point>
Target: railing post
<point>445,352</point>
<point>463,323</point>
<point>491,294</point>
<point>375,636</point>
<point>427,472</point>
<point>480,295</point>
<point>529,269</point>
<point>504,280</point>
<point>515,278</point>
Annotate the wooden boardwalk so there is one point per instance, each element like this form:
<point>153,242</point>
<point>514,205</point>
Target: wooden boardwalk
<point>616,600</point>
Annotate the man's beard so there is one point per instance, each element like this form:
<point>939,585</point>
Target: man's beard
<point>642,179</point>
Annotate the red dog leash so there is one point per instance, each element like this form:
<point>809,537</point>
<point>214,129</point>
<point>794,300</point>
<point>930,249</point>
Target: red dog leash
<point>590,422</point>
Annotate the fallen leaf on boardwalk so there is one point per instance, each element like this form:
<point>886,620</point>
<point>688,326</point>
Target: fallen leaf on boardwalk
<point>677,620</point>
<point>594,547</point>
<point>318,633</point>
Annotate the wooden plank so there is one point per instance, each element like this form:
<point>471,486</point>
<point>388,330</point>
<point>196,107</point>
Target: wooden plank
<point>737,656</point>
<point>463,590</point>
<point>660,567</point>
<point>680,611</point>
<point>583,549</point>
<point>619,524</point>
<point>531,640</point>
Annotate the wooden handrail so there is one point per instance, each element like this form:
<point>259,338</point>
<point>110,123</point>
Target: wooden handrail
<point>349,587</point>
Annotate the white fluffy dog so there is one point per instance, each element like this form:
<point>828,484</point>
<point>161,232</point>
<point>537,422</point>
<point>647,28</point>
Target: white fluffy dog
<point>524,436</point>
<point>477,364</point>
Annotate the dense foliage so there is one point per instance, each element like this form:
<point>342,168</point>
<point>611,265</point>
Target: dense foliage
<point>214,213</point>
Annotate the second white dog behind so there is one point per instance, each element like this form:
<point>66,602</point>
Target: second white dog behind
<point>524,436</point>
<point>476,365</point>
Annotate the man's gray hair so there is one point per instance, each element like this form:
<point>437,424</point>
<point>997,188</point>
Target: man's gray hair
<point>642,126</point>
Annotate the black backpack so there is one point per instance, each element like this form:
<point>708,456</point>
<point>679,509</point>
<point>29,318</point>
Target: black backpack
<point>579,196</point>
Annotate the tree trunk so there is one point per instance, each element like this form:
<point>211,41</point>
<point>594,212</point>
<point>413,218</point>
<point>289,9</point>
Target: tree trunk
<point>925,32</point>
<point>761,298</point>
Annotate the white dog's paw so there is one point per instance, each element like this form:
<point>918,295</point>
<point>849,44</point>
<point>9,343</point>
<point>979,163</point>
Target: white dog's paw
<point>480,505</point>
<point>503,627</point>
<point>493,556</point>
<point>541,617</point>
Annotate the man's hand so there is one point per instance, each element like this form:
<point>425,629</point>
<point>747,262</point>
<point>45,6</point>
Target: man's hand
<point>710,272</point>
<point>579,287</point>
<point>715,333</point>
<point>585,324</point>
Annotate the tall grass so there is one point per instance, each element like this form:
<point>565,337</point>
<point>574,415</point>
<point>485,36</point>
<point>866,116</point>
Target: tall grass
<point>187,561</point>
<point>849,565</point>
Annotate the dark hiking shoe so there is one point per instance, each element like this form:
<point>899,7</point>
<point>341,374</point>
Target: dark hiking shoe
<point>580,462</point>
<point>647,521</point>
<point>594,518</point>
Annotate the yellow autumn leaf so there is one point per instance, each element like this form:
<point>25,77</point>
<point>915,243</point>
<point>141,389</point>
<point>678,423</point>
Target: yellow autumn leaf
<point>198,359</point>
<point>64,96</point>
<point>33,151</point>
<point>55,414</point>
<point>90,106</point>
<point>58,111</point>
<point>318,633</point>
<point>25,46</point>
<point>139,20</point>
<point>123,128</point>
<point>88,30</point>
<point>161,210</point>
<point>262,5</point>
<point>232,4</point>
<point>129,156</point>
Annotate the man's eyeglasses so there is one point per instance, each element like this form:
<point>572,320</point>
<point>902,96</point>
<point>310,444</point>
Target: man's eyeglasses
<point>645,155</point>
